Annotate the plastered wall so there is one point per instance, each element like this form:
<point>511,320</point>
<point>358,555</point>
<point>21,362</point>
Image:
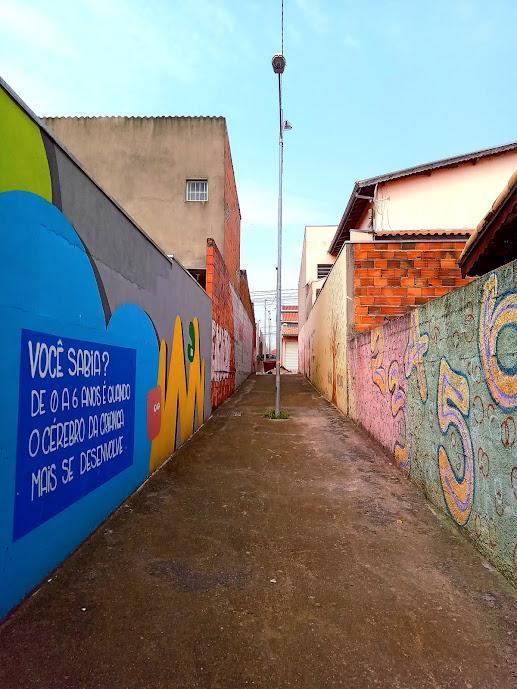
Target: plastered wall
<point>232,219</point>
<point>144,163</point>
<point>438,389</point>
<point>105,354</point>
<point>322,353</point>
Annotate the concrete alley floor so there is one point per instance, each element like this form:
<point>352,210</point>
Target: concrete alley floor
<point>269,554</point>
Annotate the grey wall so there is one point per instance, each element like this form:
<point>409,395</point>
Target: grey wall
<point>130,266</point>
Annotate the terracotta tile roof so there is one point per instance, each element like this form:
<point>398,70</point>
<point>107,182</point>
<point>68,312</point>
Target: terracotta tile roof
<point>462,233</point>
<point>290,316</point>
<point>290,330</point>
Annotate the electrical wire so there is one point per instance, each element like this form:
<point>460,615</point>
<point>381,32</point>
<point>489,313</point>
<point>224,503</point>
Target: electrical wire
<point>282,30</point>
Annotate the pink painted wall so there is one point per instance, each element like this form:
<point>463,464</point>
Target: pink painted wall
<point>378,385</point>
<point>451,198</point>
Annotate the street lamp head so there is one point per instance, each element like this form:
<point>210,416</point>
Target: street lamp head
<point>278,63</point>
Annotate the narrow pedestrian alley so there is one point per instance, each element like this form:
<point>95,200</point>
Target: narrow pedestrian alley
<point>269,554</point>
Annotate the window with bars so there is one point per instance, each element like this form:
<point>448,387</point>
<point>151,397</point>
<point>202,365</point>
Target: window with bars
<point>324,269</point>
<point>197,190</point>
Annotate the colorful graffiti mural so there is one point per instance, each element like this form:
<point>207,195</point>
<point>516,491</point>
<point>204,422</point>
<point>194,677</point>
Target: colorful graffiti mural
<point>416,349</point>
<point>453,406</point>
<point>377,378</point>
<point>232,330</point>
<point>87,409</point>
<point>496,315</point>
<point>177,394</point>
<point>451,425</point>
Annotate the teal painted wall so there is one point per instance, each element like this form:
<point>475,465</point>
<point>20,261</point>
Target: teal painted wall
<point>438,388</point>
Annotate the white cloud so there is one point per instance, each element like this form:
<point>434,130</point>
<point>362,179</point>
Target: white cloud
<point>29,25</point>
<point>117,45</point>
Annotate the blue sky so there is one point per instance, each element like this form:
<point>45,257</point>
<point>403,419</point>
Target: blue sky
<point>369,86</point>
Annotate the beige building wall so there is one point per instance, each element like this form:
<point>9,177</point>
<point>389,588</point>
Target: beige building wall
<point>144,162</point>
<point>316,242</point>
<point>322,341</point>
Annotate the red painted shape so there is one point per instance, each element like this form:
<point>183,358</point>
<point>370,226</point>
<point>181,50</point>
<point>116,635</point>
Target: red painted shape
<point>154,412</point>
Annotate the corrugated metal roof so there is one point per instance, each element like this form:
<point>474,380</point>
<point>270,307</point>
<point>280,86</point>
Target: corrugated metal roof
<point>133,117</point>
<point>436,164</point>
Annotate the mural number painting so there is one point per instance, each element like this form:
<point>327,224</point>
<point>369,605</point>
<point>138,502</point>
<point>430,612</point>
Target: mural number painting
<point>495,317</point>
<point>453,408</point>
<point>75,423</point>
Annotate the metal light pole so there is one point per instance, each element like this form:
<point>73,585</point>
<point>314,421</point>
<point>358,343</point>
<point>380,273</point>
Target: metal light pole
<point>278,68</point>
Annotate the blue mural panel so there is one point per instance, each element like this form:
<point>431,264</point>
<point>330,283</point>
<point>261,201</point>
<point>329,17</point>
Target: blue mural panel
<point>76,413</point>
<point>49,293</point>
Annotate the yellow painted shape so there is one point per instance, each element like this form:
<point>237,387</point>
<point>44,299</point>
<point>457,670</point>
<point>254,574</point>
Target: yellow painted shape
<point>23,159</point>
<point>178,396</point>
<point>401,455</point>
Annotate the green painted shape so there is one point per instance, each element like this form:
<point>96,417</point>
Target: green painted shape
<point>23,159</point>
<point>191,348</point>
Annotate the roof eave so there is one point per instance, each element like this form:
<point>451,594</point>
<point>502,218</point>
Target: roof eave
<point>471,259</point>
<point>338,240</point>
<point>334,249</point>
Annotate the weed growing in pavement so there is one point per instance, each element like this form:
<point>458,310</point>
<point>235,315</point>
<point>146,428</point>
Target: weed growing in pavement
<point>270,414</point>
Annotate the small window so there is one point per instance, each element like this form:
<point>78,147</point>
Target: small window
<point>324,269</point>
<point>197,190</point>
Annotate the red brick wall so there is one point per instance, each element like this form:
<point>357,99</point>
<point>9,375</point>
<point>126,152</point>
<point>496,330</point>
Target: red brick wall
<point>223,347</point>
<point>232,220</point>
<point>389,278</point>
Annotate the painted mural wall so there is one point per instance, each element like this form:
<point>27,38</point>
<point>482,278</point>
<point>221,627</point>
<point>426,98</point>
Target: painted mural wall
<point>105,354</point>
<point>438,388</point>
<point>233,332</point>
<point>322,354</point>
